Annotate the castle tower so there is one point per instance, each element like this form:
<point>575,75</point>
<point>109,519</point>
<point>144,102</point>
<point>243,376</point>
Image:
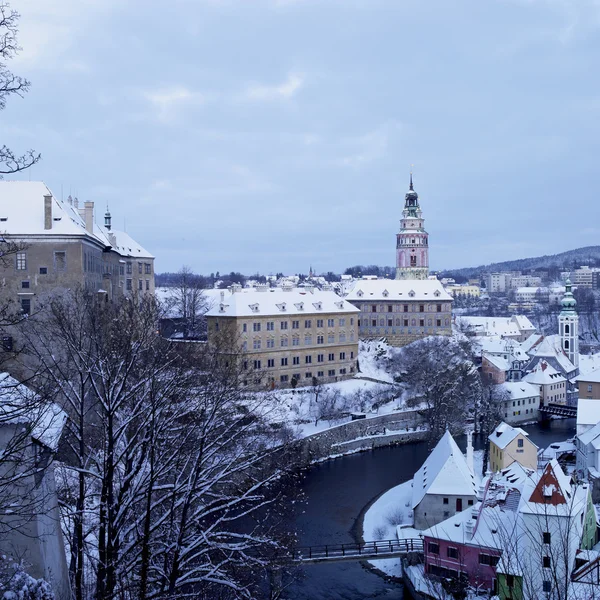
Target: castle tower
<point>568,325</point>
<point>412,243</point>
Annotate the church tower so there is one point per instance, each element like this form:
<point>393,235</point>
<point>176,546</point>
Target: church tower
<point>412,243</point>
<point>568,325</point>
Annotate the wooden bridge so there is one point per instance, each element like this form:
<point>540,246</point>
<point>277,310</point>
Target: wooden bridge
<point>560,410</point>
<point>357,551</point>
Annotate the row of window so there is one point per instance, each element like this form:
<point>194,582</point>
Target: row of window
<point>284,342</point>
<point>91,263</point>
<point>309,374</point>
<point>283,325</point>
<point>530,401</point>
<point>284,362</point>
<point>517,413</point>
<point>60,262</point>
<point>373,308</point>
<point>129,284</point>
<point>401,322</point>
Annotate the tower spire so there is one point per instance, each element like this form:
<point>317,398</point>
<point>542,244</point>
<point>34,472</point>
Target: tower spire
<point>411,183</point>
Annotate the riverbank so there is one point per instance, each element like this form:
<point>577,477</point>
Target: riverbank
<point>402,427</point>
<point>338,491</point>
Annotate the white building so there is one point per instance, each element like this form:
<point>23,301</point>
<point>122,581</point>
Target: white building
<point>530,295</point>
<point>522,402</point>
<point>586,277</point>
<point>444,485</point>
<point>497,283</point>
<point>517,327</point>
<point>551,384</point>
<point>518,281</point>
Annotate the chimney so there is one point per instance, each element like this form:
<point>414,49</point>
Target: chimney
<point>76,202</point>
<point>89,216</point>
<point>469,527</point>
<point>47,211</point>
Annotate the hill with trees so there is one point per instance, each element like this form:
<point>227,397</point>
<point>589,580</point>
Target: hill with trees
<point>589,255</point>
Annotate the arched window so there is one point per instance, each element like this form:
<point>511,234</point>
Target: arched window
<point>566,344</point>
<point>567,328</point>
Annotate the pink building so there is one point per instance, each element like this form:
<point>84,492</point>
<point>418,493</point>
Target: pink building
<point>470,544</point>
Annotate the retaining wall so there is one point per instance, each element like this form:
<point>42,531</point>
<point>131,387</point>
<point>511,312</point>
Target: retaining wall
<point>364,434</point>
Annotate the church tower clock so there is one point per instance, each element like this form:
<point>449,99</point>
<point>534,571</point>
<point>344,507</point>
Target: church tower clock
<point>412,243</point>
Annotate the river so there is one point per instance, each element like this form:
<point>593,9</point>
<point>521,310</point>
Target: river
<point>336,493</point>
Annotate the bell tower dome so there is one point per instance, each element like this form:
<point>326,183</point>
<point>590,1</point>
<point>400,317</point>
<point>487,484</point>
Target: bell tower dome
<point>412,243</point>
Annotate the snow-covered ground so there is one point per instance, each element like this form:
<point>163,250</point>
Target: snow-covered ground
<point>372,355</point>
<point>391,511</point>
<point>313,409</point>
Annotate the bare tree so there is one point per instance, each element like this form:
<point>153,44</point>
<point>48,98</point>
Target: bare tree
<point>442,379</point>
<point>172,484</point>
<point>11,84</point>
<point>188,303</point>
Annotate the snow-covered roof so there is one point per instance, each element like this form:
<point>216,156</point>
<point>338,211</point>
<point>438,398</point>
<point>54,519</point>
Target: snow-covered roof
<point>485,524</point>
<point>588,411</point>
<point>22,215</point>
<point>551,347</point>
<point>123,243</point>
<point>590,377</point>
<point>531,341</point>
<point>591,435</point>
<point>553,494</point>
<point>588,363</point>
<point>520,389</point>
<point>279,302</point>
<point>494,344</point>
<point>504,434</point>
<point>499,326</point>
<point>22,211</point>
<point>18,404</point>
<point>445,472</point>
<point>430,290</point>
<point>523,323</point>
<point>543,374</point>
<point>499,362</point>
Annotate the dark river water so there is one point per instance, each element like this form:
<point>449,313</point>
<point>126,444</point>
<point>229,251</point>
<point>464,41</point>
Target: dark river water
<point>336,493</point>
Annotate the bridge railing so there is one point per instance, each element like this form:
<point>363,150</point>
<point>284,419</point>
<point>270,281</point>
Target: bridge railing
<point>357,549</point>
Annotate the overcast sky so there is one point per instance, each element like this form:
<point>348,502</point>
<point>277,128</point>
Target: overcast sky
<point>269,135</point>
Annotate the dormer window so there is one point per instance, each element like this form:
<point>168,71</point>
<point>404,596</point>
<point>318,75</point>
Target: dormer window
<point>436,293</point>
<point>281,306</point>
<point>360,293</point>
<point>385,293</point>
<point>299,305</point>
<point>411,293</point>
<point>318,305</point>
<point>254,307</point>
<point>340,305</point>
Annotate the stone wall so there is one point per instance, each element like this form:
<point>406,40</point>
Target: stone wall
<point>364,434</point>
